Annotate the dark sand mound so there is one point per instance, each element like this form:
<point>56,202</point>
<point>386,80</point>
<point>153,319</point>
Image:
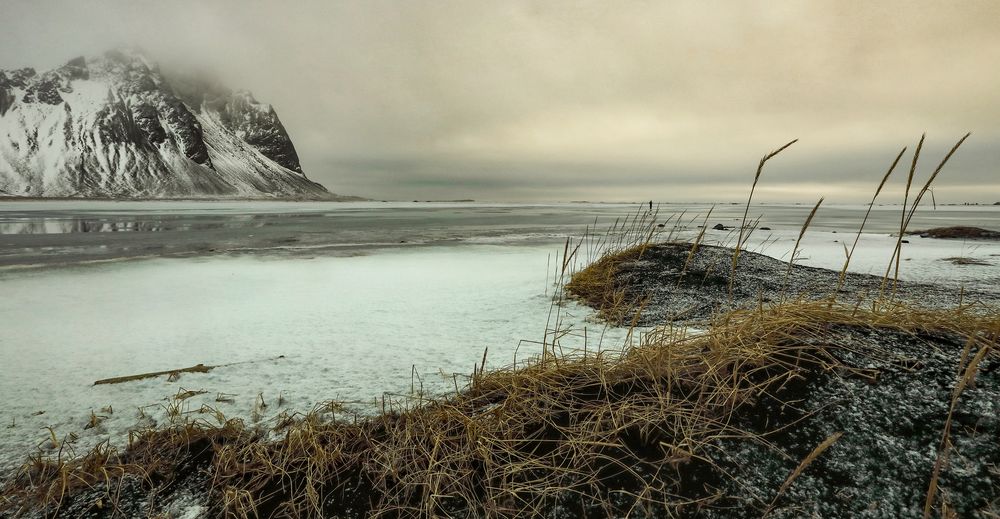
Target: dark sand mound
<point>669,288</point>
<point>959,232</point>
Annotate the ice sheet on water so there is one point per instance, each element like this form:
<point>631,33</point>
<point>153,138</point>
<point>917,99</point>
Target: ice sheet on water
<point>922,259</point>
<point>348,328</point>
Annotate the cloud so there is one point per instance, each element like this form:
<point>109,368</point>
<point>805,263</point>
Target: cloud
<point>571,100</point>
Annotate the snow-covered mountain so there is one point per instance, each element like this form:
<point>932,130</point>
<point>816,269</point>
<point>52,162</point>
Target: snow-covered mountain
<point>116,126</point>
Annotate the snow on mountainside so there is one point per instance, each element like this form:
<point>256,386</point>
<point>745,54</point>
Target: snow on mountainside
<point>116,126</point>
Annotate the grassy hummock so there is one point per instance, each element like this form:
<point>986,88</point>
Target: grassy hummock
<point>656,284</point>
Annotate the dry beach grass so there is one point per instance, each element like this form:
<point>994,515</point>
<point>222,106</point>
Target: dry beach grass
<point>623,432</point>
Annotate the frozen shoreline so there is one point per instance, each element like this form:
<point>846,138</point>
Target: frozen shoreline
<point>349,329</point>
<point>350,308</point>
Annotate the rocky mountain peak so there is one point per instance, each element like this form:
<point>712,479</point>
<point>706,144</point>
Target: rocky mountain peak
<point>125,128</point>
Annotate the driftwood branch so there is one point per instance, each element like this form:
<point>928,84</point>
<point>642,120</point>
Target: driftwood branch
<point>198,368</point>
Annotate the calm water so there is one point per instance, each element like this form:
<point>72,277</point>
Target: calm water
<point>44,233</point>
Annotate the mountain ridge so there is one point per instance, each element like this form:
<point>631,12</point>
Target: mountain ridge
<point>116,126</point>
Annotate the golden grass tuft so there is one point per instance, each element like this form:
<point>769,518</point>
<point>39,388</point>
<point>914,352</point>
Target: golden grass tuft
<point>598,285</point>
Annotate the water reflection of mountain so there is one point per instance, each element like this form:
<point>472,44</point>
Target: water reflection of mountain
<point>68,225</point>
<point>65,226</point>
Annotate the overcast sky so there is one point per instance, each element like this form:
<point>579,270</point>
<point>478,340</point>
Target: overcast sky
<point>612,100</point>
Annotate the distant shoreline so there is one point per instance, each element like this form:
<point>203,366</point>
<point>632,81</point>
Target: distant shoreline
<point>351,198</point>
<point>335,198</point>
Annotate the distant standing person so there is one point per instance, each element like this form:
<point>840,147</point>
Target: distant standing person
<point>651,206</point>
